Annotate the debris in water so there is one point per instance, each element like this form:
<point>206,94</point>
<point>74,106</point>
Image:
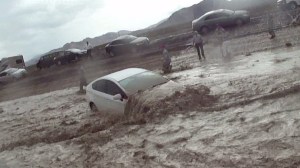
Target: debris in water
<point>288,44</point>
<point>248,54</point>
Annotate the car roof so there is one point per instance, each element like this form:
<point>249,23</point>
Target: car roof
<point>215,11</point>
<point>123,74</point>
<point>126,37</point>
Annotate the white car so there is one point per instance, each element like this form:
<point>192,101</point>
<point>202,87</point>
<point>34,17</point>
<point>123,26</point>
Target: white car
<point>12,74</point>
<point>110,93</point>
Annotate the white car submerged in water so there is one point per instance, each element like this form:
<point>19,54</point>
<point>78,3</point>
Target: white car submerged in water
<point>110,93</point>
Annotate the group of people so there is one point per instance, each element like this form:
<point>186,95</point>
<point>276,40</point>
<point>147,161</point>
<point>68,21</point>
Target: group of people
<point>198,43</point>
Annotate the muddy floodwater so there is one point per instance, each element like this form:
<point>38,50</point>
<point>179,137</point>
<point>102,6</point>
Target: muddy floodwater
<point>239,111</point>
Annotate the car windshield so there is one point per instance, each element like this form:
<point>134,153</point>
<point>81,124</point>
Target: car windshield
<point>230,12</point>
<point>142,81</point>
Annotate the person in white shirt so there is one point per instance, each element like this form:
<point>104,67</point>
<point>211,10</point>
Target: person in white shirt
<point>198,43</point>
<point>82,79</point>
<point>221,33</point>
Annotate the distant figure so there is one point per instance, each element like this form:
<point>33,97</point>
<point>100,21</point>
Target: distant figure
<point>167,67</point>
<point>198,43</point>
<point>271,26</point>
<point>89,49</point>
<point>82,79</point>
<point>220,32</point>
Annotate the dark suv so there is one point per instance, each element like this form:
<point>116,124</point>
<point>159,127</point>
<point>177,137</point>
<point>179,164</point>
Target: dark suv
<point>65,57</point>
<point>45,61</point>
<point>126,44</point>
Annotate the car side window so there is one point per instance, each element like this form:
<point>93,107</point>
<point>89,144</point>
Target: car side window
<point>108,87</point>
<point>99,86</point>
<point>19,61</point>
<point>113,89</point>
<point>225,15</point>
<point>117,42</point>
<point>214,16</point>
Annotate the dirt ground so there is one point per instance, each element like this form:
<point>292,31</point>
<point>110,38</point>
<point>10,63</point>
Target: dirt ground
<point>240,111</point>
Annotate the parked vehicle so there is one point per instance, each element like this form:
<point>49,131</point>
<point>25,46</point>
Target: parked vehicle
<point>68,56</point>
<point>60,58</point>
<point>288,4</point>
<point>110,93</point>
<point>222,17</point>
<point>12,74</point>
<point>12,62</point>
<point>45,61</point>
<point>126,44</point>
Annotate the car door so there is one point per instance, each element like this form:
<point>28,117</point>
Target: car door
<point>99,97</point>
<point>115,106</point>
<point>212,20</point>
<point>225,19</point>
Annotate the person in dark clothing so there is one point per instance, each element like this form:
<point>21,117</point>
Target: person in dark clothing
<point>167,67</point>
<point>89,49</point>
<point>198,43</point>
<point>83,81</point>
<point>271,26</point>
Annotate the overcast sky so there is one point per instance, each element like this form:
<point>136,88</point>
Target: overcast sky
<point>33,27</point>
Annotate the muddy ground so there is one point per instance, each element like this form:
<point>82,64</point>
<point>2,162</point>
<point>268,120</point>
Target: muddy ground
<point>251,119</point>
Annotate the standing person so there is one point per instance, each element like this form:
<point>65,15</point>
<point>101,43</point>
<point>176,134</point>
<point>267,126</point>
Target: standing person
<point>167,67</point>
<point>82,79</point>
<point>89,49</point>
<point>271,26</point>
<point>198,43</point>
<point>220,32</point>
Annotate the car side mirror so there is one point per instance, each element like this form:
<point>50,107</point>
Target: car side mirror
<point>118,97</point>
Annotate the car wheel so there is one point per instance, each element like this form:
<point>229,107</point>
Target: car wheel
<point>204,30</point>
<point>93,108</point>
<point>293,5</point>
<point>112,54</point>
<point>239,22</point>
